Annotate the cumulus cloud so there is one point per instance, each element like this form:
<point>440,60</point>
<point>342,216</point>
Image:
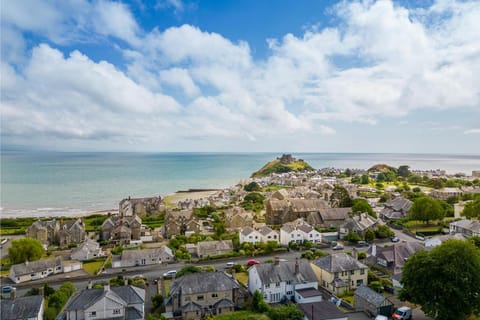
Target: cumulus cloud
<point>380,61</point>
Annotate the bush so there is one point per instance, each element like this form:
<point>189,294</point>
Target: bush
<point>361,255</point>
<point>352,237</point>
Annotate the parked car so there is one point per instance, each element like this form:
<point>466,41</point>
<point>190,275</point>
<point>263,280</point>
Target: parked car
<point>362,244</point>
<point>380,317</point>
<point>252,262</point>
<point>230,264</point>
<point>394,239</point>
<point>338,247</point>
<point>170,274</point>
<point>403,313</point>
<point>7,289</point>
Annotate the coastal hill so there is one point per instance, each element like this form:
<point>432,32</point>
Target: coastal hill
<point>382,168</point>
<point>286,163</point>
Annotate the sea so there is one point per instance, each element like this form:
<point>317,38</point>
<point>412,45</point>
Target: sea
<point>38,184</point>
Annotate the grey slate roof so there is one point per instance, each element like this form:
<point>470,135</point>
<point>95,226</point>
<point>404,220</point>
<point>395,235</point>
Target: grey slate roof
<point>374,298</point>
<point>154,253</point>
<point>20,308</point>
<point>322,310</point>
<point>125,295</point>
<point>396,208</point>
<point>223,304</point>
<point>36,266</point>
<point>191,306</point>
<point>285,271</point>
<point>265,230</point>
<point>130,294</point>
<point>203,282</point>
<point>338,262</point>
<point>247,230</point>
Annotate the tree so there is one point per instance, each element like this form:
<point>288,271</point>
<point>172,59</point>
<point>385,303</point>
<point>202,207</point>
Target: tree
<point>26,249</point>
<point>340,198</point>
<point>253,201</point>
<point>383,231</point>
<point>188,270</point>
<point>252,186</point>
<point>258,304</point>
<point>426,209</point>
<point>369,235</point>
<point>435,278</point>
<point>68,288</point>
<point>158,303</point>
<point>288,311</point>
<point>47,290</point>
<point>361,205</point>
<point>472,209</point>
<point>352,237</point>
<point>58,299</point>
<point>365,179</point>
<point>403,171</point>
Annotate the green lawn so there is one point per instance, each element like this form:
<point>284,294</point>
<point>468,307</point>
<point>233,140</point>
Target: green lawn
<point>242,277</point>
<point>242,315</point>
<point>93,267</point>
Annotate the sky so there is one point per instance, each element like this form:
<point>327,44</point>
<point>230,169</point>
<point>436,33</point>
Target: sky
<point>241,76</point>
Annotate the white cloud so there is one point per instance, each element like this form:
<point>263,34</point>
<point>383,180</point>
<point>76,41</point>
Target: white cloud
<point>472,131</point>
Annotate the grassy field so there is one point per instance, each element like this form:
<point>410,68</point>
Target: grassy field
<point>242,277</point>
<point>242,315</point>
<point>93,267</point>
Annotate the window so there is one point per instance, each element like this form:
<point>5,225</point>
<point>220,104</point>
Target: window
<point>214,295</point>
<point>289,281</point>
<point>187,298</point>
<point>199,298</point>
<point>311,235</point>
<point>362,271</point>
<point>335,274</point>
<point>267,285</point>
<point>93,314</point>
<point>277,284</point>
<point>352,271</point>
<point>289,293</point>
<point>116,311</point>
<point>359,282</point>
<point>292,235</point>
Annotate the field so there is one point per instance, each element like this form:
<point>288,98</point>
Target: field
<point>241,315</point>
<point>93,267</point>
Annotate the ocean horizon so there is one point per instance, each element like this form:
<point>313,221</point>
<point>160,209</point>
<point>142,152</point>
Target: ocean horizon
<point>41,183</point>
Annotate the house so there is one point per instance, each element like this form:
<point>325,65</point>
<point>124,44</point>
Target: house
<point>359,223</point>
<point>298,231</point>
<point>213,248</point>
<point>122,228</point>
<point>195,295</point>
<point>34,270</point>
<point>438,240</point>
<point>71,232</point>
<point>45,231</point>
<point>279,281</point>
<point>124,302</point>
<point>237,218</point>
<point>89,249</point>
<point>329,217</point>
<point>24,308</point>
<point>140,206</point>
<point>371,302</point>
<point>279,212</point>
<point>469,228</point>
<point>250,235</point>
<point>131,258</point>
<point>393,257</point>
<point>268,234</point>
<point>445,193</point>
<point>181,222</point>
<point>396,209</point>
<point>322,310</point>
<point>340,272</point>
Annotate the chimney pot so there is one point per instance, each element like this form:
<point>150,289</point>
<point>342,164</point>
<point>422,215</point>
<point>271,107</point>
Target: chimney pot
<point>297,266</point>
<point>106,287</point>
<point>277,260</point>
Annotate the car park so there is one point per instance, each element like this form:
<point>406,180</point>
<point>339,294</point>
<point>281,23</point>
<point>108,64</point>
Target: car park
<point>170,274</point>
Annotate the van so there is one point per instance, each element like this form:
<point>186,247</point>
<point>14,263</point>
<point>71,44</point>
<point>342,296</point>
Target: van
<point>403,313</point>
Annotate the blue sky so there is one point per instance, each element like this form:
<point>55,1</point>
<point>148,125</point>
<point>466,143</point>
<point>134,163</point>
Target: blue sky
<point>282,76</point>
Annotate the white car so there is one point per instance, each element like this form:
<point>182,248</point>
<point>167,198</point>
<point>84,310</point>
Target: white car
<point>170,274</point>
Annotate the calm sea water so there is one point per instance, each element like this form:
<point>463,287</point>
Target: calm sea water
<point>53,183</point>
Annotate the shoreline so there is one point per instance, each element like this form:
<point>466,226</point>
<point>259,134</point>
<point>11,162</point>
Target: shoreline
<point>174,198</point>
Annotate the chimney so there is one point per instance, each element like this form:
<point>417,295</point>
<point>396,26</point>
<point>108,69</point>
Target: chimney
<point>90,284</point>
<point>233,273</point>
<point>355,253</point>
<point>277,260</point>
<point>125,281</point>
<point>41,291</point>
<point>26,263</point>
<point>297,266</point>
<point>374,250</point>
<point>13,293</point>
<point>106,287</point>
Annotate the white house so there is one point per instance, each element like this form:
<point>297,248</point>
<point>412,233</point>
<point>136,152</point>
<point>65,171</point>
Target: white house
<point>88,249</point>
<point>268,234</point>
<point>438,240</point>
<point>469,228</point>
<point>34,270</point>
<point>278,281</point>
<point>298,231</point>
<point>131,258</point>
<point>250,235</point>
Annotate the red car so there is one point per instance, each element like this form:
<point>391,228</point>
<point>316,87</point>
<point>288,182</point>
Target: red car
<point>252,262</point>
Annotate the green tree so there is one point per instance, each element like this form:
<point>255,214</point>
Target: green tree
<point>383,231</point>
<point>369,235</point>
<point>47,290</point>
<point>258,304</point>
<point>403,171</point>
<point>426,209</point>
<point>380,177</point>
<point>253,201</point>
<point>365,179</point>
<point>472,209</point>
<point>352,237</point>
<point>50,313</point>
<point>435,278</point>
<point>58,299</point>
<point>287,311</point>
<point>252,186</point>
<point>158,303</point>
<point>68,288</point>
<point>26,249</point>
<point>340,198</point>
<point>188,270</point>
<point>361,205</point>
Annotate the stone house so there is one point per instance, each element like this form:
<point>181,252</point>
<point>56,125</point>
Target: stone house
<point>340,272</point>
<point>278,281</point>
<point>392,257</point>
<point>371,302</point>
<point>237,218</point>
<point>279,212</point>
<point>445,193</point>
<point>140,206</point>
<point>87,250</point>
<point>207,293</point>
<point>213,248</point>
<point>131,258</point>
<point>29,308</point>
<point>181,222</point>
<point>46,232</point>
<point>124,302</point>
<point>396,209</point>
<point>72,232</point>
<point>468,228</point>
<point>359,223</point>
<point>121,228</point>
<point>329,217</point>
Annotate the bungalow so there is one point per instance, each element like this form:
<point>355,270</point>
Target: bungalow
<point>34,270</point>
<point>279,281</point>
<point>371,302</point>
<point>340,272</point>
<point>213,248</point>
<point>329,217</point>
<point>89,249</point>
<point>124,302</point>
<point>30,308</point>
<point>131,258</point>
<point>469,228</point>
